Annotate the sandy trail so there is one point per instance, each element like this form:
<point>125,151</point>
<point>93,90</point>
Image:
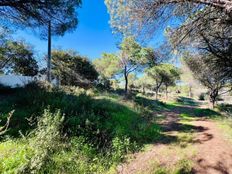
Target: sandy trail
<point>213,152</point>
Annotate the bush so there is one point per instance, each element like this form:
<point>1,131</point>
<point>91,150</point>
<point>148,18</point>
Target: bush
<point>99,120</point>
<point>5,89</point>
<point>184,167</point>
<point>202,97</point>
<point>226,108</point>
<point>30,154</point>
<point>45,141</point>
<point>120,147</point>
<point>48,151</point>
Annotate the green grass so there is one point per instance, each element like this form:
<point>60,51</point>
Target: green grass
<point>181,166</point>
<point>98,131</point>
<point>225,121</point>
<point>226,127</point>
<point>14,153</point>
<point>187,117</point>
<point>187,101</point>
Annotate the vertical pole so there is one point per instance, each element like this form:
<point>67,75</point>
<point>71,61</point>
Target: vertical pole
<point>49,53</point>
<point>126,79</point>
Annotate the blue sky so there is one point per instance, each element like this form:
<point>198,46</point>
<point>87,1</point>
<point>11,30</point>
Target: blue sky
<point>92,37</point>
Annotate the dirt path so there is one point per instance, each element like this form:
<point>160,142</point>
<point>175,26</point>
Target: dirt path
<point>209,151</point>
<point>214,152</point>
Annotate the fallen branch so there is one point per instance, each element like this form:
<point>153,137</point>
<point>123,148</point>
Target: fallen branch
<point>5,127</point>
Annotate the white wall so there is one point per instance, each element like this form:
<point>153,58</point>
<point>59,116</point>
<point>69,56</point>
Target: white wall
<point>16,80</point>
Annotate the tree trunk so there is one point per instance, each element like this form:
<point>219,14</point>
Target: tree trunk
<point>190,91</point>
<point>143,90</point>
<point>58,81</point>
<point>49,53</point>
<point>166,93</point>
<point>158,85</point>
<point>156,94</point>
<point>213,103</point>
<point>213,97</point>
<point>126,80</point>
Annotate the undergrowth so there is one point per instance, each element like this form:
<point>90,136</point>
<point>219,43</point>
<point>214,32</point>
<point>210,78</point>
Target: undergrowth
<point>70,130</point>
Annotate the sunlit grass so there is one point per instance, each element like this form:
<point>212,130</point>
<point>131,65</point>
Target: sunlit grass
<point>180,164</point>
<point>225,126</point>
<point>187,117</point>
<point>14,153</point>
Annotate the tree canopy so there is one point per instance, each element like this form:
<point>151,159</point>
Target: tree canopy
<point>107,65</point>
<point>211,79</point>
<point>72,69</point>
<point>131,57</point>
<point>18,58</point>
<point>203,35</point>
<point>163,74</point>
<point>37,14</point>
<point>142,17</point>
<point>143,83</point>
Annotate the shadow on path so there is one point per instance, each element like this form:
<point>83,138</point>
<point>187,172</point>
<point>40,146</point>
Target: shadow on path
<point>213,153</point>
<point>183,109</point>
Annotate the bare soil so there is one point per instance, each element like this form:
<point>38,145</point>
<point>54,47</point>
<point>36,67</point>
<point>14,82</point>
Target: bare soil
<point>214,152</point>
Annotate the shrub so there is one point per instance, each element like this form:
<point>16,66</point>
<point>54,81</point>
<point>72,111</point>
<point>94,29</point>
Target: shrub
<point>44,141</point>
<point>184,167</point>
<point>226,108</point>
<point>5,89</point>
<point>202,97</point>
<point>99,120</point>
<point>30,154</point>
<point>120,147</point>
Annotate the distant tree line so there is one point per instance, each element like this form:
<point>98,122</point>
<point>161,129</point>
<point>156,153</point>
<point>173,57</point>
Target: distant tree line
<point>203,30</point>
<point>134,59</point>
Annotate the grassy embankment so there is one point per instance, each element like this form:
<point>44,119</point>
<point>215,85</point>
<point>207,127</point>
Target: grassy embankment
<point>71,130</point>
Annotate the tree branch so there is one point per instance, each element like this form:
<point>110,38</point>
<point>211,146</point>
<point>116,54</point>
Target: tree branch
<point>5,127</point>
